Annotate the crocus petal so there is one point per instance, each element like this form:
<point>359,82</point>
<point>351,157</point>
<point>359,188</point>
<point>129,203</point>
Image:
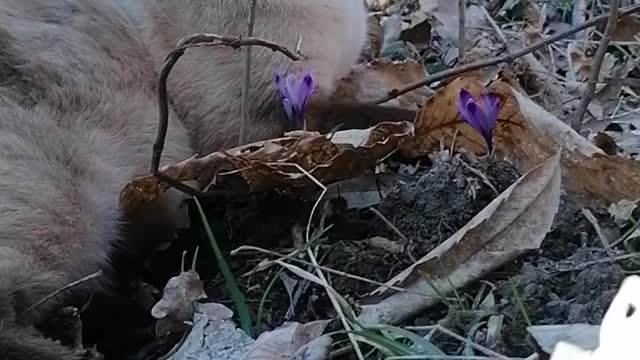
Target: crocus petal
<point>491,105</point>
<point>288,108</point>
<point>477,119</point>
<point>306,89</point>
<point>292,88</point>
<point>464,99</point>
<point>280,85</point>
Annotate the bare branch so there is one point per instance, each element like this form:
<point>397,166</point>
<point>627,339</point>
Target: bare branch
<point>191,41</point>
<point>502,59</point>
<point>577,117</point>
<point>462,11</point>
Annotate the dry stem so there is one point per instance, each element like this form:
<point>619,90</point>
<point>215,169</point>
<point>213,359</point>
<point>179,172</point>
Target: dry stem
<point>502,59</point>
<point>462,11</point>
<point>190,41</point>
<point>244,105</point>
<point>589,92</point>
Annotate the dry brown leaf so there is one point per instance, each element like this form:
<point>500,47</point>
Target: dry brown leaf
<point>525,135</point>
<point>374,80</point>
<point>581,64</point>
<point>272,164</point>
<point>627,29</point>
<point>515,222</point>
<point>177,303</point>
<point>178,297</point>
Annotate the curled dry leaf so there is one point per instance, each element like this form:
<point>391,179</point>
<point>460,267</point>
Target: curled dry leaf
<point>179,296</point>
<point>515,222</point>
<point>292,341</point>
<point>273,163</point>
<point>177,304</point>
<point>525,135</point>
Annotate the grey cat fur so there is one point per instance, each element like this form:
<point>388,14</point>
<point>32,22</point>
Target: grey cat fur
<point>78,116</point>
<point>205,85</point>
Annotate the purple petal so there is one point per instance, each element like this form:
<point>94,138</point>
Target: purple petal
<point>306,89</point>
<point>280,85</point>
<point>288,108</point>
<point>292,89</point>
<point>481,117</point>
<point>464,99</point>
<point>491,106</point>
<point>478,119</point>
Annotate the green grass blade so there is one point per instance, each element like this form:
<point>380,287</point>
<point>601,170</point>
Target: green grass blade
<point>230,281</point>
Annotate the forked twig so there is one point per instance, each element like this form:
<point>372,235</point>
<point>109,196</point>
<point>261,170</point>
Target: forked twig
<point>191,41</point>
<point>502,59</point>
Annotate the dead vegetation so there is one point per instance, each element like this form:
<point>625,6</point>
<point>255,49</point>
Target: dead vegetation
<point>455,236</point>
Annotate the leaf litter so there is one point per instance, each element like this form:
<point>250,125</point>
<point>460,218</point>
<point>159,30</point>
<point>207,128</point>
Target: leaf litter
<point>480,251</point>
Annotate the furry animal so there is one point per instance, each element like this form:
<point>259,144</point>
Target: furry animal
<point>205,86</point>
<point>78,116</point>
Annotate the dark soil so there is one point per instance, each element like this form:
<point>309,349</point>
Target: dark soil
<point>561,283</point>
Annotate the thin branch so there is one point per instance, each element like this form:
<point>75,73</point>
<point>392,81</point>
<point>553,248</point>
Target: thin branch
<point>462,11</point>
<point>191,41</point>
<point>502,59</point>
<point>495,27</point>
<point>246,81</point>
<point>589,92</point>
<point>95,275</point>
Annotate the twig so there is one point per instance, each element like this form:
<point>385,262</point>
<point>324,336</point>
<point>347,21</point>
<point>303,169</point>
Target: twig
<point>246,81</point>
<point>482,177</point>
<point>336,304</point>
<point>596,226</point>
<point>191,41</point>
<point>502,59</point>
<point>236,252</point>
<point>462,11</point>
<point>388,222</point>
<point>460,338</point>
<point>577,117</point>
<point>65,288</point>
<point>495,27</point>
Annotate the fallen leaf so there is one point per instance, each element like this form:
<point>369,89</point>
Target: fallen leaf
<point>621,211</point>
<point>178,297</point>
<point>627,29</point>
<point>276,163</point>
<point>617,334</point>
<point>376,79</point>
<point>581,65</point>
<point>292,341</point>
<point>515,222</point>
<point>445,19</point>
<point>585,336</point>
<point>419,32</point>
<point>525,135</point>
<point>177,304</point>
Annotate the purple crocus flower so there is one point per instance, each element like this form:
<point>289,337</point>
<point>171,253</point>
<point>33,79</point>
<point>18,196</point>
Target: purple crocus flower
<point>480,115</point>
<point>294,93</point>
